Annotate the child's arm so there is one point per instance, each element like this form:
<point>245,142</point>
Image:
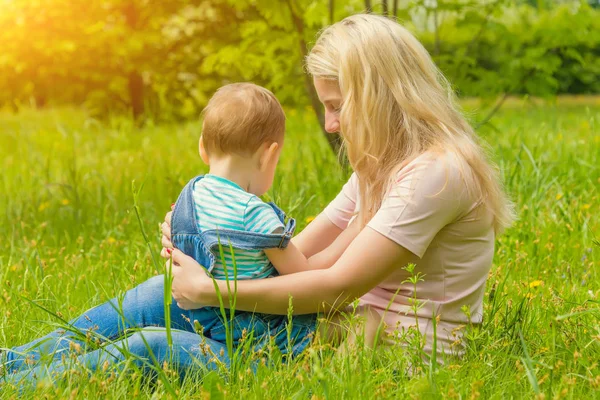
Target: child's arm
<point>290,260</point>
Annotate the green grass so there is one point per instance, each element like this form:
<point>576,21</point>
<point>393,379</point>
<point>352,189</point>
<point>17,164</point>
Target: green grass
<point>70,239</point>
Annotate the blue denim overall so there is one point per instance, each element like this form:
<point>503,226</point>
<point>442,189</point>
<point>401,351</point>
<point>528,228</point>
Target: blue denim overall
<point>204,247</point>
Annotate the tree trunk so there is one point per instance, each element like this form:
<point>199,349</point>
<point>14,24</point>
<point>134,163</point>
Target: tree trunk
<point>385,8</point>
<point>135,80</point>
<point>136,94</point>
<point>331,12</point>
<point>395,9</point>
<point>332,138</point>
<point>40,100</point>
<point>368,6</point>
<point>436,48</point>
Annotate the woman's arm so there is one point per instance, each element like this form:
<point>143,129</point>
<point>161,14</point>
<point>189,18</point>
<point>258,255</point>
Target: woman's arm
<point>318,235</point>
<point>328,256</point>
<point>291,260</point>
<point>321,239</point>
<point>328,225</point>
<point>369,259</point>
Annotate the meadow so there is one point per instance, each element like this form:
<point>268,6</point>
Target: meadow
<point>70,239</point>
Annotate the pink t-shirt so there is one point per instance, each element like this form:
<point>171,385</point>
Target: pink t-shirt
<point>429,211</point>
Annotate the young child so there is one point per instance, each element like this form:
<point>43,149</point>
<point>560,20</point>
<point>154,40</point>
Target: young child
<point>219,218</point>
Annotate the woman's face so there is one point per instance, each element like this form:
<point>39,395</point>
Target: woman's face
<point>331,97</point>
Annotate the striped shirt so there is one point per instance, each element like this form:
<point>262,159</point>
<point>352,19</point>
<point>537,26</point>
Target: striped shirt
<point>222,204</point>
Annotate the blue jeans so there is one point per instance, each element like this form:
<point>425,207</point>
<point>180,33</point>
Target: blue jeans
<point>141,309</point>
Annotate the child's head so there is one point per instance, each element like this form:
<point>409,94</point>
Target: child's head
<point>246,122</point>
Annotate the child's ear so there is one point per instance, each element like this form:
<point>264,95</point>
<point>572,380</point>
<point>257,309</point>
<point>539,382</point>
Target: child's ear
<point>203,153</point>
<point>269,156</point>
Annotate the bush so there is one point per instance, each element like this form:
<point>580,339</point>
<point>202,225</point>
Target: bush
<point>520,50</point>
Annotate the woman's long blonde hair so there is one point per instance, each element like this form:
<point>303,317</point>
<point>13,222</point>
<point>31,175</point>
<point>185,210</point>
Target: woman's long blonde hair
<point>396,106</point>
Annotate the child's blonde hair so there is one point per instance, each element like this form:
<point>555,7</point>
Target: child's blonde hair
<point>396,105</point>
<point>240,117</point>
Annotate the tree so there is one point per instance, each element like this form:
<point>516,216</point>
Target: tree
<point>272,49</point>
<point>134,78</point>
<point>331,11</point>
<point>332,138</point>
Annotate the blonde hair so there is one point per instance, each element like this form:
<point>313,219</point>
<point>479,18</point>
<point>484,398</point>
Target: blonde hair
<point>240,117</point>
<point>397,105</point>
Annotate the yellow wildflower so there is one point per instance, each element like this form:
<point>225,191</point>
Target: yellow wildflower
<point>65,202</point>
<point>535,284</point>
<point>559,196</point>
<point>43,206</point>
<point>310,219</point>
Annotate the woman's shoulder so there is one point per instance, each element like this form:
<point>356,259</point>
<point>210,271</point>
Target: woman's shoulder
<point>433,172</point>
<point>425,195</point>
<point>438,159</point>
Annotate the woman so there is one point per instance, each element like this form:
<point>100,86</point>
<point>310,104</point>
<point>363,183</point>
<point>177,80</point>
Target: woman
<point>422,192</point>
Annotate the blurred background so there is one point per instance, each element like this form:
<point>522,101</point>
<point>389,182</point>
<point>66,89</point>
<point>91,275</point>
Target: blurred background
<point>162,59</point>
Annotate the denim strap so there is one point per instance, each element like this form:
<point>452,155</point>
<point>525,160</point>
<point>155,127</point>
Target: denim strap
<point>248,240</point>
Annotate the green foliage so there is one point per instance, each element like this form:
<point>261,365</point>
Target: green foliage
<point>163,59</point>
<point>497,48</point>
<point>90,52</point>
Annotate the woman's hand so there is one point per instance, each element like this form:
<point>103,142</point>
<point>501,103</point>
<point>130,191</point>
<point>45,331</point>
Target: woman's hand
<point>191,287</point>
<point>165,228</point>
<point>190,281</point>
